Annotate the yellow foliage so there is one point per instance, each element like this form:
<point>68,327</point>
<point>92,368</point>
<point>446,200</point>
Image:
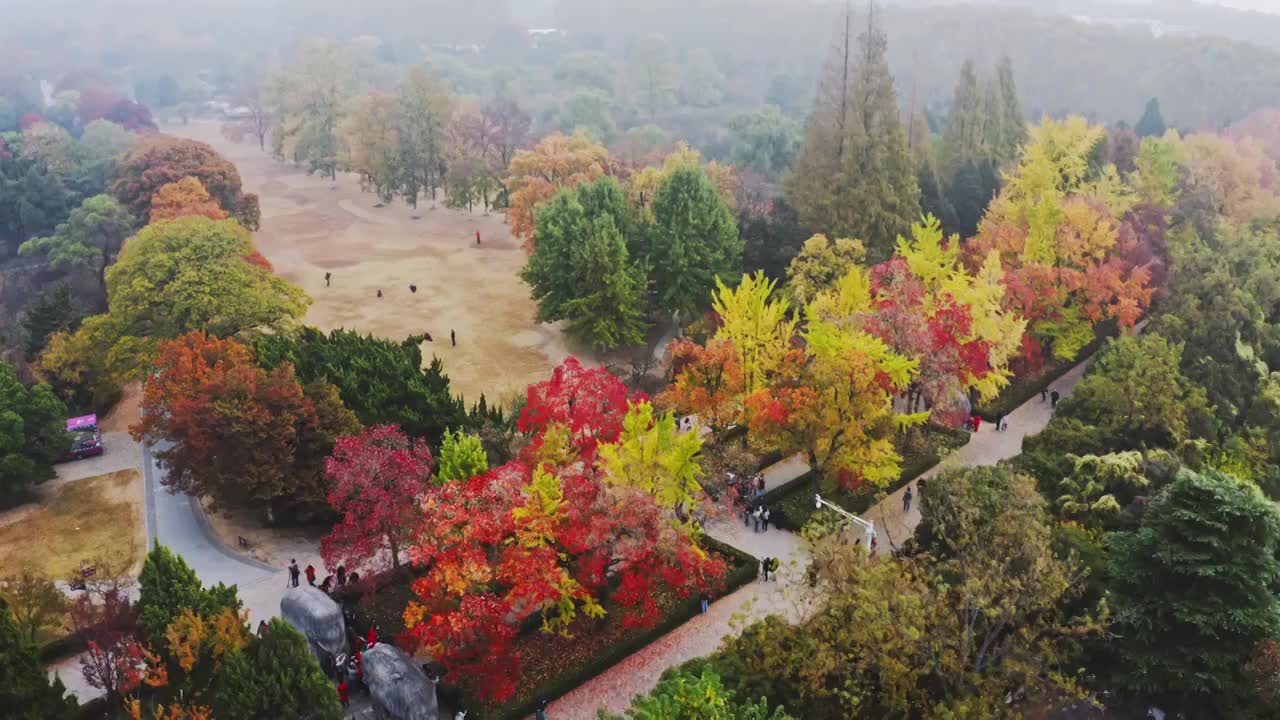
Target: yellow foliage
<point>758,326</point>
<point>651,456</point>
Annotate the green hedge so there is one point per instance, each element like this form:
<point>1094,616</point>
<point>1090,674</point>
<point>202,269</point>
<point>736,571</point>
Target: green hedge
<point>745,568</point>
<point>1019,392</point>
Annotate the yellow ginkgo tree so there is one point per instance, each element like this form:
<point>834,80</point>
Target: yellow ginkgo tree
<point>758,325</point>
<point>653,457</point>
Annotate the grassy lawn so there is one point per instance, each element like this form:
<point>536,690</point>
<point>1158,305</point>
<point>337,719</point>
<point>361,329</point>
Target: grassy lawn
<point>91,519</point>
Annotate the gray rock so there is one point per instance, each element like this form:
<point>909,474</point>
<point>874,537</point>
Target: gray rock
<point>397,684</point>
<point>319,619</point>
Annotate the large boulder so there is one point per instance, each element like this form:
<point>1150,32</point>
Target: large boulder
<point>398,685</point>
<point>319,619</point>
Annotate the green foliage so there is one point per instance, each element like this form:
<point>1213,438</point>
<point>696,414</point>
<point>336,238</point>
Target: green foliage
<point>167,586</point>
<point>1136,395</point>
<point>182,275</point>
<point>580,270</point>
<point>381,381</point>
<point>1151,124</point>
<point>590,111</point>
<point>702,84</point>
<point>681,696</point>
<point>765,141</point>
<point>53,310</point>
<point>652,74</point>
<point>462,457</point>
<point>1194,589</point>
<point>88,240</point>
<point>854,177</point>
<point>1090,491</point>
<point>276,676</point>
<point>33,433</point>
<point>695,241</point>
<point>25,690</point>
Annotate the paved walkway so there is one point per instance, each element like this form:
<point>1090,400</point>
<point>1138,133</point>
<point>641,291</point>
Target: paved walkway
<point>638,674</point>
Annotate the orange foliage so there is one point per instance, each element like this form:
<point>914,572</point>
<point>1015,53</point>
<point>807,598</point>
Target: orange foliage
<point>185,197</point>
<point>559,161</point>
<point>709,382</point>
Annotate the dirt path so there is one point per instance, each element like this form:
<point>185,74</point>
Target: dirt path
<point>639,673</point>
<point>311,226</point>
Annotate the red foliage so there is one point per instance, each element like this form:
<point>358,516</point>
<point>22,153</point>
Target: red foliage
<point>495,552</point>
<point>115,666</point>
<point>377,477</point>
<point>590,402</point>
<point>257,258</point>
<point>159,160</point>
<point>234,429</point>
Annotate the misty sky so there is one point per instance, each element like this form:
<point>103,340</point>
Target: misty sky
<point>1270,6</point>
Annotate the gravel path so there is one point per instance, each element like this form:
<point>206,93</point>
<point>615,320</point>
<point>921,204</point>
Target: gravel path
<point>638,674</point>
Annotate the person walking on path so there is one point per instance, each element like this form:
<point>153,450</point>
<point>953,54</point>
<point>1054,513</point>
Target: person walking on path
<point>705,603</point>
<point>379,292</point>
<point>311,575</point>
<point>326,278</point>
<point>755,519</point>
<point>1053,399</point>
<point>765,520</point>
<point>977,422</point>
<point>342,575</point>
<point>906,500</point>
<point>293,573</point>
<point>764,569</point>
<point>1004,424</point>
<point>453,338</point>
<point>344,696</point>
<point>1000,424</point>
<point>477,238</point>
<point>1044,394</point>
<point>413,288</point>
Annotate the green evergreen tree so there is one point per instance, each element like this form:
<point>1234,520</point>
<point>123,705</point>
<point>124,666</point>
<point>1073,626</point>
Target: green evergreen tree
<point>854,176</point>
<point>1151,124</point>
<point>1013,124</point>
<point>933,201</point>
<point>52,311</point>
<point>90,238</point>
<point>462,457</point>
<point>1194,590</point>
<point>25,690</point>
<point>167,586</point>
<point>382,381</point>
<point>276,678</point>
<point>684,696</point>
<point>694,240</point>
<point>964,136</point>
<point>969,192</point>
<point>33,433</point>
<point>580,270</point>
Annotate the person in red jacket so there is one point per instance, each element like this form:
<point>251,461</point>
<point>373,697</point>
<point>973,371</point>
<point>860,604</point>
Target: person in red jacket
<point>311,574</point>
<point>343,696</point>
<point>373,637</point>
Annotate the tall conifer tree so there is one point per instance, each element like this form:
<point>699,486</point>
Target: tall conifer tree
<point>854,176</point>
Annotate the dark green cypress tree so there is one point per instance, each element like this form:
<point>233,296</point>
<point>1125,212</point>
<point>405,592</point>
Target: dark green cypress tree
<point>275,678</point>
<point>1152,122</point>
<point>52,311</point>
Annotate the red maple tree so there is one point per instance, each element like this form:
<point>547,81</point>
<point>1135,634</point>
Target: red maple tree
<point>377,478</point>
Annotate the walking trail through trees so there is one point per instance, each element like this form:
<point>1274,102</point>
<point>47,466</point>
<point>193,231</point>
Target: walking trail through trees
<point>702,635</point>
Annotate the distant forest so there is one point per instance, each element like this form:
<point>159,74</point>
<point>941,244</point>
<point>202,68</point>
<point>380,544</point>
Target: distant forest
<point>767,50</point>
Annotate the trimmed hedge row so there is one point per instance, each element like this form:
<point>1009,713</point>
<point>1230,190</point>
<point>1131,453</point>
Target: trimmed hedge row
<point>1018,392</point>
<point>745,568</point>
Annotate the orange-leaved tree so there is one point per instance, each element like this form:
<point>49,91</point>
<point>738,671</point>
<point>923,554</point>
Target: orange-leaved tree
<point>185,197</point>
<point>558,161</point>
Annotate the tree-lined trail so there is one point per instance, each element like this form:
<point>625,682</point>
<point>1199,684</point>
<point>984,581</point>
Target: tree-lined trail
<point>614,688</point>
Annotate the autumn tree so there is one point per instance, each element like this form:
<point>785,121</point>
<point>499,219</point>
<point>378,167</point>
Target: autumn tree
<point>680,696</point>
<point>26,691</point>
<point>653,457</point>
<point>758,325</point>
<point>854,176</point>
<point>33,433</point>
<point>186,274</point>
<point>158,160</point>
<point>819,264</point>
<point>1194,587</point>
<point>377,477</point>
<point>534,176</point>
<point>168,587</point>
<point>256,121</point>
<point>765,141</point>
<point>462,457</point>
<point>580,270</point>
<point>237,433</point>
<point>707,382</point>
<point>185,197</point>
<point>695,242</point>
<point>89,240</point>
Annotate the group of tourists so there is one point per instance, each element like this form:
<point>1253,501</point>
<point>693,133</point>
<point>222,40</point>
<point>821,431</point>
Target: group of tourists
<point>330,582</point>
